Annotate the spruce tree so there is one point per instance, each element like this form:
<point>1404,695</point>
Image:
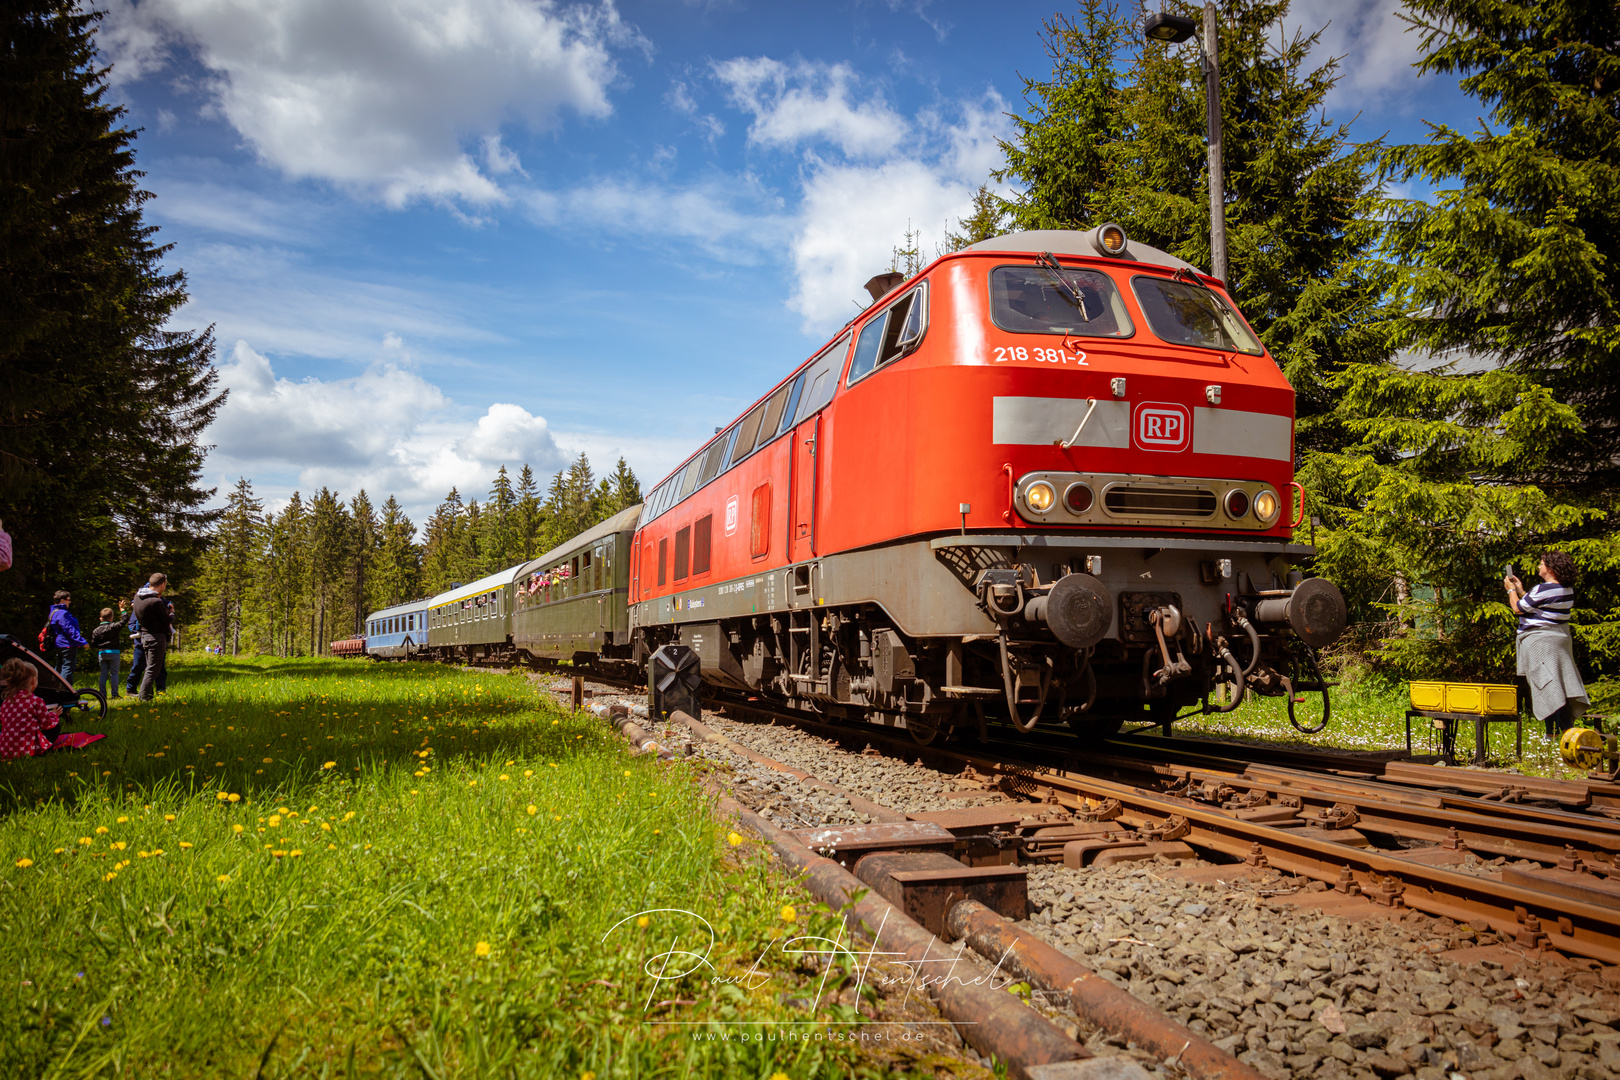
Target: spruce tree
<point>229,568</point>
<point>364,542</point>
<point>397,577</point>
<point>529,516</point>
<point>103,401</point>
<point>1457,468</point>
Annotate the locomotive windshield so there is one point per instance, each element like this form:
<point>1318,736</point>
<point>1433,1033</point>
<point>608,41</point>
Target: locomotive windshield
<point>1031,300</point>
<point>1184,314</point>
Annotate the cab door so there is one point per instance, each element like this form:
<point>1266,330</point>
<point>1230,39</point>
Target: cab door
<point>805,491</point>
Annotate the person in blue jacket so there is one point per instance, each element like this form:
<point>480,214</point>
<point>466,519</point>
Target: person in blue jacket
<point>65,636</point>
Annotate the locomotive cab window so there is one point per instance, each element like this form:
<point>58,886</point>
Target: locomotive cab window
<point>1184,314</point>
<point>891,335</point>
<point>1039,300</point>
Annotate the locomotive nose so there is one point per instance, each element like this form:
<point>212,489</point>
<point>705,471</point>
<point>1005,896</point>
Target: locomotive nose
<point>1078,610</point>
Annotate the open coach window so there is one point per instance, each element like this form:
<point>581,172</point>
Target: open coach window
<point>893,334</point>
<point>1040,300</point>
<point>1185,314</point>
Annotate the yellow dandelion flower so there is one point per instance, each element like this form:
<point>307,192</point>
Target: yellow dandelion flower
<point>528,772</point>
<point>223,878</point>
<point>326,826</point>
<point>779,1076</point>
<point>59,851</point>
<point>101,830</point>
<point>238,829</point>
<point>481,949</point>
<point>222,796</point>
<point>505,777</point>
<point>551,764</point>
<point>349,816</point>
<point>168,817</point>
<point>627,772</point>
<point>533,809</point>
<point>110,875</point>
<point>277,854</point>
<point>734,839</point>
<point>294,853</point>
<point>787,913</point>
<point>123,821</point>
<point>643,921</point>
<point>658,832</point>
<point>329,764</point>
<point>185,845</point>
<point>269,761</point>
<point>234,797</point>
<point>86,840</point>
<point>587,1075</point>
<point>511,763</point>
<point>275,821</point>
<point>25,863</point>
<point>117,845</point>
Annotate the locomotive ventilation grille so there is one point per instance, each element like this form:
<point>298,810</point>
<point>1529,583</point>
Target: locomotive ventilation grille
<point>1159,500</point>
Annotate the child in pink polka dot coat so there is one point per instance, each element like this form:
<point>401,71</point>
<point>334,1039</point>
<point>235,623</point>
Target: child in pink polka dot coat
<point>27,725</point>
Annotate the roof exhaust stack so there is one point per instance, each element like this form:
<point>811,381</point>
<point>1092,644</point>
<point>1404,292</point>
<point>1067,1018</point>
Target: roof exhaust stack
<point>883,284</point>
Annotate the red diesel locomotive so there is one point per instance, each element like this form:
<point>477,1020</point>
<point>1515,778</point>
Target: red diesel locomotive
<point>1048,477</point>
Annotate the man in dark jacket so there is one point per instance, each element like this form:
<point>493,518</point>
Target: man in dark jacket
<point>137,662</point>
<point>65,636</point>
<point>152,612</point>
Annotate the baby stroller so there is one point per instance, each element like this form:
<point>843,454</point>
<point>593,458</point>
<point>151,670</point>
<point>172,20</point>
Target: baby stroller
<point>53,689</point>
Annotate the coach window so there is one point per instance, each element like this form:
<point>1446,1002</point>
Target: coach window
<point>587,568</point>
<point>701,537</point>
<point>748,433</point>
<point>663,558</point>
<point>683,553</point>
<point>892,334</point>
<point>759,527</point>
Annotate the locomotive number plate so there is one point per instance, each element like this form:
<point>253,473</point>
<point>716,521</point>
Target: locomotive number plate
<point>1003,354</point>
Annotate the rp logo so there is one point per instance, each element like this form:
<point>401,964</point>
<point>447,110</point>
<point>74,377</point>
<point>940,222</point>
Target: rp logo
<point>1162,425</point>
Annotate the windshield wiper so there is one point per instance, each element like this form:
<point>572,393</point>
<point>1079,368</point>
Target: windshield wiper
<point>1045,261</point>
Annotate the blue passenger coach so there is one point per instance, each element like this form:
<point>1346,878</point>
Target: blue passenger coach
<point>399,632</point>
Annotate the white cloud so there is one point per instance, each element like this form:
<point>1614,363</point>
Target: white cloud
<point>809,103</point>
<point>386,429</point>
<point>1378,48</point>
<point>733,218</point>
<point>383,96</point>
<point>854,215</point>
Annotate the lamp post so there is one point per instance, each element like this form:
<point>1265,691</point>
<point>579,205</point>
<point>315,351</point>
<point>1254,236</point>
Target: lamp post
<point>1175,29</point>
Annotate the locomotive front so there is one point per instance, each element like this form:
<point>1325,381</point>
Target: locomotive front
<point>1125,523</point>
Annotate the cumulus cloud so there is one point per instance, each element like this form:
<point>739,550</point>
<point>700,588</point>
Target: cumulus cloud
<point>1378,48</point>
<point>733,218</point>
<point>806,104</point>
<point>400,99</point>
<point>386,429</point>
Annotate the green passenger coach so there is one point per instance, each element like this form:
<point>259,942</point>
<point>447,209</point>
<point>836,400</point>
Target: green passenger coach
<point>569,604</point>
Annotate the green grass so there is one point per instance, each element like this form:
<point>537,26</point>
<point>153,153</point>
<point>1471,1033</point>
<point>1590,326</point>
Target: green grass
<point>1370,714</point>
<point>334,869</point>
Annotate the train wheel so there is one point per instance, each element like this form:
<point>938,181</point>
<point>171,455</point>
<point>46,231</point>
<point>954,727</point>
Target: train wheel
<point>921,730</point>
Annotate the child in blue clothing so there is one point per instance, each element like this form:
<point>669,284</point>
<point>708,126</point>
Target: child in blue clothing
<point>104,639</point>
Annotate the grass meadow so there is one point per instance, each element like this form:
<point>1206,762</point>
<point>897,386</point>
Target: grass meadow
<point>343,869</point>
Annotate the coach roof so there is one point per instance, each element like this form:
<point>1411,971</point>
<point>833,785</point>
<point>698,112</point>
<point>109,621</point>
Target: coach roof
<point>497,580</point>
<point>624,521</point>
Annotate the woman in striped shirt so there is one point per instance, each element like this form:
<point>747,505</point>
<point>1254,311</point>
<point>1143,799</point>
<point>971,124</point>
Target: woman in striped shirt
<point>1546,658</point>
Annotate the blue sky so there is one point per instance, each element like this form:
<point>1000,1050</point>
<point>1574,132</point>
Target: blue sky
<point>439,235</point>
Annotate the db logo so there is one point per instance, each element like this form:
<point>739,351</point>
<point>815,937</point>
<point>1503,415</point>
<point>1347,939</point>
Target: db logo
<point>1162,425</point>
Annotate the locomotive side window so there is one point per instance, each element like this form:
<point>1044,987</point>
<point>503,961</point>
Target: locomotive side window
<point>748,432</point>
<point>823,379</point>
<point>792,404</point>
<point>1184,314</point>
<point>891,335</point>
<point>702,537</point>
<point>690,478</point>
<point>759,529</point>
<point>683,552</point>
<point>774,406</point>
<point>1033,300</point>
<point>663,559</point>
<point>711,461</point>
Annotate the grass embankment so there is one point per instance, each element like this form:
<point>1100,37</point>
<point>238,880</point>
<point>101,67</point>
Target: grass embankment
<point>1370,714</point>
<point>337,868</point>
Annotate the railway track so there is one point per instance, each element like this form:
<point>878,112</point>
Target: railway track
<point>1026,805</point>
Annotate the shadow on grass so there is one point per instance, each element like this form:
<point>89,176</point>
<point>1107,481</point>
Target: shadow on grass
<point>285,726</point>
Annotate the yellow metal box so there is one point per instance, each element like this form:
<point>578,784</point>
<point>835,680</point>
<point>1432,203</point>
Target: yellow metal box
<point>1479,699</point>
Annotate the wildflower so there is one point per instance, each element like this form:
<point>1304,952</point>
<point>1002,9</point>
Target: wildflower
<point>294,853</point>
<point>788,914</point>
<point>25,863</point>
<point>643,921</point>
<point>658,832</point>
<point>734,839</point>
<point>268,761</point>
<point>329,764</point>
<point>223,878</point>
<point>85,840</point>
<point>528,772</point>
<point>238,829</point>
<point>185,845</point>
<point>627,772</point>
<point>552,764</point>
<point>326,826</point>
<point>59,851</point>
<point>168,817</point>
<point>101,830</point>
<point>481,949</point>
<point>110,875</point>
<point>278,854</point>
<point>117,845</point>
<point>123,821</point>
<point>156,852</point>
<point>349,816</point>
<point>533,810</point>
<point>331,847</point>
<point>222,796</point>
<point>505,777</point>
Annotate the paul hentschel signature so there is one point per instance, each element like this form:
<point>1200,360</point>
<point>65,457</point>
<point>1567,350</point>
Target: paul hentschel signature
<point>678,961</point>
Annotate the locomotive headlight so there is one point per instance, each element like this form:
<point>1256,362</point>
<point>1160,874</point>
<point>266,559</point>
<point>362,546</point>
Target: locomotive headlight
<point>1237,503</point>
<point>1040,496</point>
<point>1109,239</point>
<point>1078,498</point>
<point>1266,506</point>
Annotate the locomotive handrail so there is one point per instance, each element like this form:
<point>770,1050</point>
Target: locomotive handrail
<point>1300,520</point>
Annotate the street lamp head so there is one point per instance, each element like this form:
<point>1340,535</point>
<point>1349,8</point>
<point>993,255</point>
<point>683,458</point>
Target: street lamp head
<point>1172,29</point>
